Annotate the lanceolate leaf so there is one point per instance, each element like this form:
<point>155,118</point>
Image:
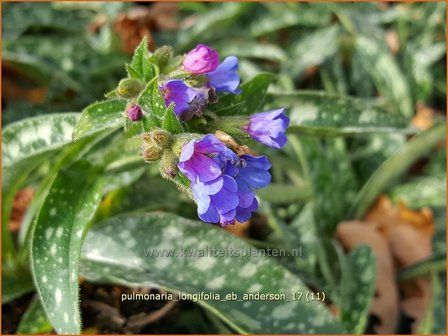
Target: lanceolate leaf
<point>395,166</point>
<point>291,14</point>
<point>252,50</point>
<point>383,69</point>
<point>170,122</point>
<point>317,113</point>
<point>333,178</point>
<point>357,288</point>
<point>312,50</point>
<point>141,67</point>
<point>123,256</point>
<point>248,101</point>
<point>100,116</point>
<point>25,144</point>
<point>56,242</point>
<point>36,136</point>
<point>222,16</point>
<point>153,106</point>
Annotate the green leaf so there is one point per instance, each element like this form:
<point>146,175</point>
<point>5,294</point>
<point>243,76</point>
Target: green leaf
<point>277,193</point>
<point>221,16</point>
<point>312,50</point>
<point>436,263</point>
<point>248,101</point>
<point>34,320</point>
<point>333,180</point>
<point>358,285</point>
<point>22,16</point>
<point>397,165</point>
<point>249,49</point>
<point>289,15</point>
<point>36,136</point>
<point>56,242</point>
<point>63,159</point>
<point>170,121</point>
<point>132,73</point>
<point>120,258</point>
<point>306,236</point>
<point>16,281</point>
<point>387,76</point>
<point>425,191</point>
<point>153,106</point>
<point>317,113</point>
<point>25,145</point>
<point>141,66</point>
<point>435,320</point>
<point>100,116</point>
<point>437,164</point>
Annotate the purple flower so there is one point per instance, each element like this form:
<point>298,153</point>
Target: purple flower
<point>222,182</point>
<point>177,92</point>
<point>201,60</point>
<point>197,104</point>
<point>196,161</point>
<point>268,128</point>
<point>225,78</point>
<point>135,113</point>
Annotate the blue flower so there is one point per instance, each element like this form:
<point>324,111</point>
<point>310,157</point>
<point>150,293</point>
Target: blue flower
<point>196,159</point>
<point>222,182</point>
<point>225,78</point>
<point>177,92</point>
<point>217,200</point>
<point>269,128</point>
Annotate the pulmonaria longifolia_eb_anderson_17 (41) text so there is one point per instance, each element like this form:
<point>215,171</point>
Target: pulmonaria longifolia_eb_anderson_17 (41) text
<point>193,111</point>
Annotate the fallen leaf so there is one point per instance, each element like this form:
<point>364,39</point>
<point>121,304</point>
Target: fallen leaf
<point>141,21</point>
<point>424,117</point>
<point>132,27</point>
<point>393,41</point>
<point>385,302</point>
<point>12,91</point>
<point>399,237</point>
<point>239,229</point>
<point>22,200</point>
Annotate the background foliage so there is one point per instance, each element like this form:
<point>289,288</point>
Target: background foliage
<point>365,89</point>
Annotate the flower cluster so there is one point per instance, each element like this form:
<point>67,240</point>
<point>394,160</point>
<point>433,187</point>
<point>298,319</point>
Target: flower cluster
<point>222,182</point>
<point>217,174</point>
<point>189,102</point>
<point>202,63</point>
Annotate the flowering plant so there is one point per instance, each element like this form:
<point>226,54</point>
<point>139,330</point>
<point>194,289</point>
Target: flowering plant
<point>99,214</point>
<point>189,109</point>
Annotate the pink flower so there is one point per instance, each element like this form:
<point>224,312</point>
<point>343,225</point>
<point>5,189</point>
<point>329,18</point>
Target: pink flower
<point>201,60</point>
<point>135,113</point>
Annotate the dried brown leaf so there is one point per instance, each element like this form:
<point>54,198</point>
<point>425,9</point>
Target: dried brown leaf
<point>385,303</point>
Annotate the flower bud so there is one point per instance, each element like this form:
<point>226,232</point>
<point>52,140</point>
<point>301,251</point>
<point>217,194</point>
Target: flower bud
<point>152,153</point>
<point>163,56</point>
<point>129,88</point>
<point>158,137</point>
<point>168,165</point>
<point>135,113</point>
<point>201,60</point>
